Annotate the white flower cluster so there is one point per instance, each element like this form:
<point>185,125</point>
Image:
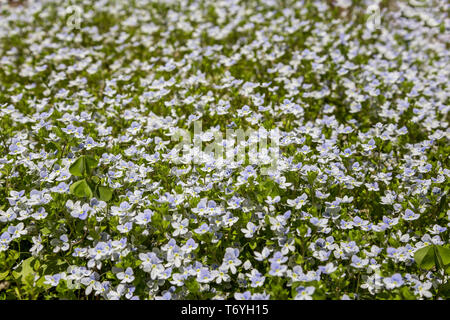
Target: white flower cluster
<point>214,149</point>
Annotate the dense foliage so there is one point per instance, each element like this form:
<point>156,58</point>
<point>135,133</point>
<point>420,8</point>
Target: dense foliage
<point>98,200</point>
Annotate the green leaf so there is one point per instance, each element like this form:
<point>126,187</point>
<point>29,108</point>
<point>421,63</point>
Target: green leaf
<point>45,231</point>
<point>35,265</point>
<point>81,189</point>
<point>192,286</point>
<point>78,168</point>
<point>40,283</point>
<point>425,257</point>
<point>393,242</point>
<point>406,293</point>
<point>3,275</point>
<point>91,162</point>
<point>444,254</point>
<point>83,165</point>
<point>51,146</point>
<point>25,272</point>
<point>105,193</point>
<point>58,132</point>
<point>13,255</point>
<point>445,290</point>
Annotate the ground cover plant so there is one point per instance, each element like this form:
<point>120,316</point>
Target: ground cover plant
<point>212,149</point>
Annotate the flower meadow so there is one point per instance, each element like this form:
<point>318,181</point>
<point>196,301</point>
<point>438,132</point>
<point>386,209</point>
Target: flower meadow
<point>224,149</point>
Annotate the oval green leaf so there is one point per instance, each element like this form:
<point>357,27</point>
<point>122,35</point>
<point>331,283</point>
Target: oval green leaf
<point>81,189</point>
<point>105,193</point>
<point>425,257</point>
<point>444,253</point>
<point>78,168</point>
<point>91,162</point>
